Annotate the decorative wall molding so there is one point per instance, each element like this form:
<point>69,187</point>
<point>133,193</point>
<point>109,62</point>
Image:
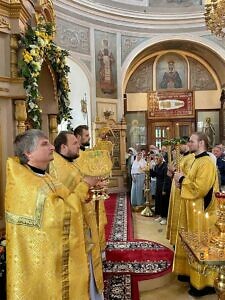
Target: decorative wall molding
<point>73,37</point>
<point>128,43</point>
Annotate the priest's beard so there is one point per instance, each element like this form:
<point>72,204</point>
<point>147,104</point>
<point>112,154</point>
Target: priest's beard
<point>76,156</point>
<point>72,155</point>
<point>87,144</point>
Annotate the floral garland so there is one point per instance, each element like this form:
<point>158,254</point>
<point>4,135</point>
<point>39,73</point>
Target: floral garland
<point>38,45</point>
<point>174,141</point>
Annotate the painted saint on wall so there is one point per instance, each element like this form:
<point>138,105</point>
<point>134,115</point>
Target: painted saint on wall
<point>106,60</point>
<point>105,64</point>
<point>171,78</point>
<point>171,72</point>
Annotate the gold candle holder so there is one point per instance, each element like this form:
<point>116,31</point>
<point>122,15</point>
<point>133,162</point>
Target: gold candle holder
<point>147,191</point>
<point>169,153</point>
<point>177,149</point>
<point>206,250</point>
<point>219,240</point>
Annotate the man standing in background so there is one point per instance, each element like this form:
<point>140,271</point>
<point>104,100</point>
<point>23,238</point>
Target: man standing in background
<point>83,132</point>
<point>198,189</point>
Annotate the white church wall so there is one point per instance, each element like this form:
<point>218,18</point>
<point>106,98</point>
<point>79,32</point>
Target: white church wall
<point>80,90</point>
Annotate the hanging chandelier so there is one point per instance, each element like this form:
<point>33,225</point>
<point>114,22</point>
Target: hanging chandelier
<point>215,16</point>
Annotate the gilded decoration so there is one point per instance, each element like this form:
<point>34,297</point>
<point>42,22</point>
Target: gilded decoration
<point>4,23</point>
<point>20,115</point>
<point>45,8</point>
<point>32,221</point>
<point>116,150</point>
<point>94,163</point>
<point>13,56</point>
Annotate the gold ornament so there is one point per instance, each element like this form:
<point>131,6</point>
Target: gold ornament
<point>96,163</point>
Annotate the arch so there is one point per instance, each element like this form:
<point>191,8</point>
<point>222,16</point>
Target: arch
<point>211,46</point>
<point>84,68</point>
<point>80,92</point>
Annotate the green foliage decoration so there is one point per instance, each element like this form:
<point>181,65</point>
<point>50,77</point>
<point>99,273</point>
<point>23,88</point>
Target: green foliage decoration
<point>38,45</point>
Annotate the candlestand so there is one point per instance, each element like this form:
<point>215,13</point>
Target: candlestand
<point>206,250</point>
<point>147,191</point>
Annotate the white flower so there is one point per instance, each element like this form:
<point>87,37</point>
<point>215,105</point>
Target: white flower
<point>33,52</point>
<point>32,105</point>
<point>33,46</point>
<point>41,42</point>
<point>36,65</point>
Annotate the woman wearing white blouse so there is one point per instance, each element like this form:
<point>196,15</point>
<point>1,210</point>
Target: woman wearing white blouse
<point>138,178</point>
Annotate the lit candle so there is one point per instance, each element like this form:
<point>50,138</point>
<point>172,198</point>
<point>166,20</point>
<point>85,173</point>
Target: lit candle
<point>177,130</point>
<point>199,215</point>
<point>207,225</point>
<point>193,223</point>
<point>167,132</point>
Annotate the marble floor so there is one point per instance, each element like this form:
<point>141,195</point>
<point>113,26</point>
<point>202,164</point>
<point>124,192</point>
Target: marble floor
<point>166,286</point>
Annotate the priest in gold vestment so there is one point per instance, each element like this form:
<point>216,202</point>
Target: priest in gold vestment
<point>40,226</point>
<point>83,132</point>
<point>175,201</point>
<point>198,189</point>
<point>64,170</point>
<point>102,143</point>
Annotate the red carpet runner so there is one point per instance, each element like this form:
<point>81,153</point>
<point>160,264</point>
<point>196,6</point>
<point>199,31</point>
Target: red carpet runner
<point>127,260</point>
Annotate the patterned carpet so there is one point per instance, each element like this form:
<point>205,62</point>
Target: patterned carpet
<point>128,260</point>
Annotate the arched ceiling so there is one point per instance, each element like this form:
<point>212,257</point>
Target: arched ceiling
<point>213,59</point>
<point>120,15</point>
<point>149,6</point>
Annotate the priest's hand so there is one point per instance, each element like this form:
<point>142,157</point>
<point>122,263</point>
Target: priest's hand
<point>103,183</point>
<point>91,181</point>
<point>177,178</point>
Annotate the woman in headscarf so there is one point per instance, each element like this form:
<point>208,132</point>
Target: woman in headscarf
<point>138,178</point>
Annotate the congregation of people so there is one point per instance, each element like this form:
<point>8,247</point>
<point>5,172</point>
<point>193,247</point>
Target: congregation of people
<point>59,230</point>
<point>182,191</point>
